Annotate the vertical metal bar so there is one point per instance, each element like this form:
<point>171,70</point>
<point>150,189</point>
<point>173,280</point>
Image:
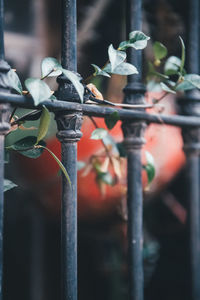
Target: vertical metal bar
<point>190,105</point>
<point>134,22</point>
<point>69,35</point>
<point>135,235</point>
<point>1,211</point>
<point>193,45</point>
<point>69,133</point>
<point>69,217</point>
<point>37,274</point>
<point>4,127</point>
<point>191,136</point>
<point>1,29</point>
<point>194,223</point>
<point>133,141</point>
<point>192,144</point>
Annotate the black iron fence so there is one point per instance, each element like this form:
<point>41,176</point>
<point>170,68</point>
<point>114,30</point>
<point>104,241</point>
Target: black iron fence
<point>69,119</point>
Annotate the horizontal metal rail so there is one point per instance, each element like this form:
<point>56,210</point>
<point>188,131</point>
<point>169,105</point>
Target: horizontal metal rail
<point>101,111</point>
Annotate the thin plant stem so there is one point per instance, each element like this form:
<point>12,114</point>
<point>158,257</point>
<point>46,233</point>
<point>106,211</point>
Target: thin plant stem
<point>93,75</point>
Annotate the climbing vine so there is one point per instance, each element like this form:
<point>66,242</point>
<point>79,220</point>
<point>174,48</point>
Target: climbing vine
<point>165,73</point>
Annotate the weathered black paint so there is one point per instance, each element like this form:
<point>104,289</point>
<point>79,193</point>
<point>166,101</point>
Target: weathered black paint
<point>134,22</point>
<point>133,141</point>
<point>4,126</point>
<point>69,125</point>
<point>69,133</point>
<point>193,46</point>
<point>103,111</point>
<point>194,223</point>
<point>1,212</point>
<point>69,33</point>
<point>190,106</point>
<point>1,29</point>
<point>100,111</point>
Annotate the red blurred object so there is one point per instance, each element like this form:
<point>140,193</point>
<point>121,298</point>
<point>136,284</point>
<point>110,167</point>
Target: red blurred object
<point>164,142</point>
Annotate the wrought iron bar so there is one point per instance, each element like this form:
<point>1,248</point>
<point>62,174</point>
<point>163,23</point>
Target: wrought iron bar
<point>134,22</point>
<point>1,29</point>
<point>102,111</point>
<point>4,127</point>
<point>69,133</point>
<point>190,106</point>
<point>133,141</point>
<point>191,137</point>
<point>193,45</point>
<point>69,124</point>
<point>69,33</point>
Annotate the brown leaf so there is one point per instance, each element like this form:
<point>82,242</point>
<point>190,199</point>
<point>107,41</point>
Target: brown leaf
<point>105,164</point>
<point>87,170</point>
<point>117,167</point>
<point>95,91</point>
<point>14,127</point>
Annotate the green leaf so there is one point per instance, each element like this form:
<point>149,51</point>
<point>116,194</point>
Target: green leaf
<point>26,147</point>
<point>166,88</point>
<point>53,97</point>
<point>123,69</point>
<point>139,39</point>
<point>112,119</point>
<point>8,185</point>
<point>98,134</point>
<point>14,81</point>
<point>190,82</point>
<point>194,79</point>
<point>149,167</point>
<point>160,51</point>
<point>97,166</point>
<point>98,71</point>
<point>75,80</point>
<point>124,45</point>
<point>105,177</point>
<point>150,170</point>
<point>80,165</point>
<point>184,86</point>
<point>121,149</point>
<point>50,67</point>
<point>44,124</point>
<point>116,57</point>
<point>149,158</point>
<point>182,56</point>
<point>58,162</point>
<point>109,141</point>
<point>171,83</point>
<point>38,89</point>
<point>172,65</point>
<point>154,73</point>
<point>153,86</point>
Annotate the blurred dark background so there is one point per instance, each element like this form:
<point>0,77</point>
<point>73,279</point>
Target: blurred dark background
<point>32,232</point>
